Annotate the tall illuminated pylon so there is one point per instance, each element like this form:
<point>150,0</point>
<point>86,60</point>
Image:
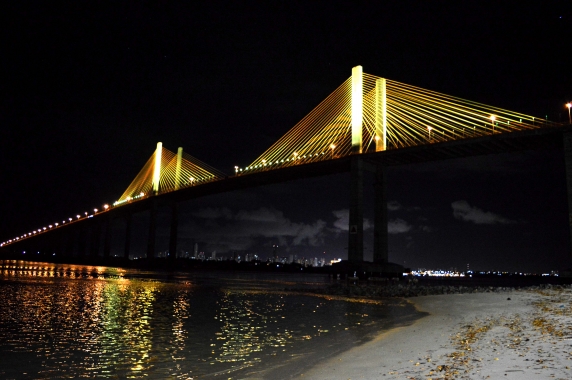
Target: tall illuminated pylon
<point>157,167</point>
<point>380,115</point>
<point>178,168</point>
<point>357,108</point>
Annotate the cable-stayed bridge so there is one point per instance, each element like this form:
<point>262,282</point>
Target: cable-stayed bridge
<point>367,124</point>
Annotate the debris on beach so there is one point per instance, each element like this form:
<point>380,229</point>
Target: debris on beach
<point>537,344</point>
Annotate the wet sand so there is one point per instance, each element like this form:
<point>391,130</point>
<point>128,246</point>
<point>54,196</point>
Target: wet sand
<point>519,334</point>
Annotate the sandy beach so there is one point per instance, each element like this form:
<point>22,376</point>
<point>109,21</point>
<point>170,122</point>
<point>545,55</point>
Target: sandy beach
<point>518,334</point>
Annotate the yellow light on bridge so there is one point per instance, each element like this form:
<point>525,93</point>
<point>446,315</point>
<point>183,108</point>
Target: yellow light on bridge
<point>157,167</point>
<point>381,114</point>
<point>357,108</point>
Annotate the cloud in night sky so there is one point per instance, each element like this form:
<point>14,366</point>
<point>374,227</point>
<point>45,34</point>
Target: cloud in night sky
<point>395,226</point>
<point>425,228</point>
<point>225,230</point>
<point>463,211</point>
<point>398,226</point>
<point>393,205</point>
<point>342,222</point>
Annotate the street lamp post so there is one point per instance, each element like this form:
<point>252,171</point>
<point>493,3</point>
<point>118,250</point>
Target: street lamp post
<point>429,129</point>
<point>493,118</point>
<point>569,119</point>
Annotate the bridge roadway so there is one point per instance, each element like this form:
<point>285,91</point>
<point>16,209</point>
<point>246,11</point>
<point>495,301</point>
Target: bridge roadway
<point>500,143</point>
<point>551,137</point>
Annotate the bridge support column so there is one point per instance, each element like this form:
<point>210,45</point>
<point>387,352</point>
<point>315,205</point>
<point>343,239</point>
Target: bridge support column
<point>174,231</point>
<point>70,239</point>
<point>568,168</point>
<point>380,234</point>
<point>95,239</point>
<point>127,246</point>
<point>152,229</point>
<point>107,238</point>
<point>62,242</point>
<point>355,237</point>
<point>81,241</point>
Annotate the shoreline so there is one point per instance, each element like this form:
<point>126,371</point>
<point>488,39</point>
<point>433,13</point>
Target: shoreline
<point>524,334</point>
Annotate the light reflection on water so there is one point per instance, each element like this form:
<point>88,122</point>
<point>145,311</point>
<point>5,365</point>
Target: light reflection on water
<point>78,321</point>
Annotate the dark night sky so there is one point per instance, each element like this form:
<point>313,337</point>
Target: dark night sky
<point>89,89</point>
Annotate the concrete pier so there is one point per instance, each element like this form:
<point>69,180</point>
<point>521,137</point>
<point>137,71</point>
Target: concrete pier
<point>567,140</point>
<point>380,233</point>
<point>152,229</point>
<point>174,231</point>
<point>355,233</point>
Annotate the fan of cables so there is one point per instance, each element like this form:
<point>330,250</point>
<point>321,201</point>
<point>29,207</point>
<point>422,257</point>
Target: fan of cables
<point>413,116</point>
<point>176,172</point>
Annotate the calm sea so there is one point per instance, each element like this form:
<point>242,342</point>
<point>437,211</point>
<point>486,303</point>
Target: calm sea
<point>68,321</point>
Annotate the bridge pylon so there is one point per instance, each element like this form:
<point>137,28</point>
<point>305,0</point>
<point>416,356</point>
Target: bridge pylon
<point>166,171</point>
<point>357,109</point>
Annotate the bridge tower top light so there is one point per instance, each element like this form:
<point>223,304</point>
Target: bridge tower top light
<point>157,167</point>
<point>357,109</point>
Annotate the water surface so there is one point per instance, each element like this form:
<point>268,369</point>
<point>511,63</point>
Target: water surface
<point>67,321</point>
